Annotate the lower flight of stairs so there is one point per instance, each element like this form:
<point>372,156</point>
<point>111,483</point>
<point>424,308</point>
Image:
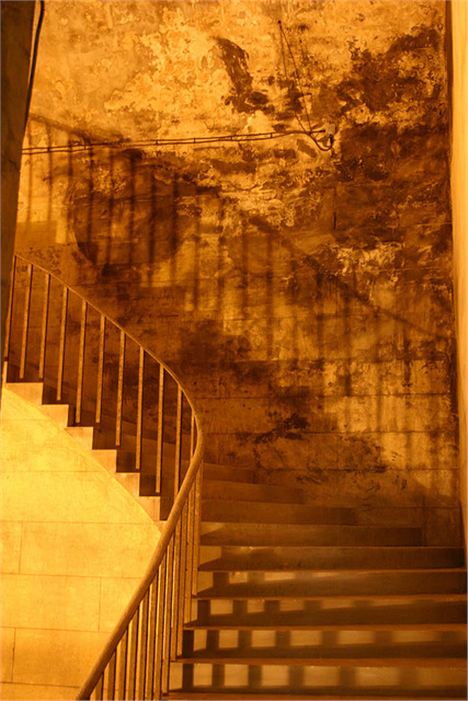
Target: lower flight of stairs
<point>299,601</point>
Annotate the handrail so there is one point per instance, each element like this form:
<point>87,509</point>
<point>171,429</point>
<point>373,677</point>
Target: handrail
<point>48,347</point>
<point>152,570</point>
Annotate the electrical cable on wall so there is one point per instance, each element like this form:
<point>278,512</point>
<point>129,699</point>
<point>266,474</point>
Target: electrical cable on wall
<point>313,131</point>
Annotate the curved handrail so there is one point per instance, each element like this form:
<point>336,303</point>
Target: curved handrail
<point>152,570</point>
<point>99,311</point>
<point>135,662</point>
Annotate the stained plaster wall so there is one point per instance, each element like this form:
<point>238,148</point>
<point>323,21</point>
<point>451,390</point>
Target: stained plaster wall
<point>305,298</point>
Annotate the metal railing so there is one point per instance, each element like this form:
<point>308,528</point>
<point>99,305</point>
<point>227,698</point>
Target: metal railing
<point>137,406</point>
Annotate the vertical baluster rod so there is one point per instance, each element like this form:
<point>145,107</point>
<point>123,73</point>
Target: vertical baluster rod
<point>190,554</point>
<point>196,531</point>
<point>139,424</point>
<point>178,443</point>
<point>142,648</point>
<point>181,580</point>
<point>133,656</point>
<point>26,315</point>
<point>9,319</point>
<point>148,691</point>
<point>100,372</point>
<point>45,319</point>
<point>159,450</point>
<point>98,692</point>
<point>162,616</point>
<point>176,590</point>
<point>122,667</point>
<point>61,355</point>
<point>111,677</point>
<point>169,617</point>
<point>120,389</point>
<point>81,361</point>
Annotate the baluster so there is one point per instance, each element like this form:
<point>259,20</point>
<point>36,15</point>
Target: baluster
<point>132,661</point>
<point>81,361</point>
<point>192,433</point>
<point>190,554</point>
<point>169,617</point>
<point>45,319</point>
<point>139,424</point>
<point>162,615</point>
<point>159,450</point>
<point>118,418</point>
<point>196,530</point>
<point>9,319</point>
<point>99,688</point>
<point>111,677</point>
<point>178,443</point>
<point>26,313</point>
<point>176,591</point>
<point>148,692</point>
<point>100,372</point>
<point>123,650</point>
<point>142,658</point>
<point>61,356</point>
<point>182,580</point>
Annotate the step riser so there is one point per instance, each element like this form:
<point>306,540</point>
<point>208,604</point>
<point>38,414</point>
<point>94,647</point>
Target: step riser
<point>325,583</point>
<point>229,474</point>
<point>260,512</point>
<point>293,678</point>
<point>347,612</point>
<point>239,559</point>
<point>218,533</point>
<point>251,492</point>
<point>369,643</point>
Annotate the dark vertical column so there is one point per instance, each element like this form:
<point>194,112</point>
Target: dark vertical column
<point>17,23</point>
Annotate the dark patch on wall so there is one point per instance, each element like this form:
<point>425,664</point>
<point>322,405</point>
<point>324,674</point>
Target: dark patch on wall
<point>243,97</point>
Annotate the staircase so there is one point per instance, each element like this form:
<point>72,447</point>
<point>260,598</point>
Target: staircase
<point>299,601</point>
<point>254,591</point>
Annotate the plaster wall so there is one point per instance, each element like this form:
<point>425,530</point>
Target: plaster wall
<point>304,298</point>
<point>74,547</point>
<point>459,11</point>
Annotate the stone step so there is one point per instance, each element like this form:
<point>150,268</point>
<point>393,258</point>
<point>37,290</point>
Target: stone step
<point>212,472</point>
<point>321,676</point>
<point>366,641</point>
<point>385,612</point>
<point>222,533</point>
<point>312,583</point>
<point>262,512</point>
<point>322,557</point>
<point>31,391</point>
<point>241,491</point>
<point>336,694</point>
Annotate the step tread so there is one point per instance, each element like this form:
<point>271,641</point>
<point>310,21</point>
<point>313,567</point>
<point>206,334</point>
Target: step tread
<point>327,661</point>
<point>234,625</point>
<point>332,694</point>
<point>207,594</point>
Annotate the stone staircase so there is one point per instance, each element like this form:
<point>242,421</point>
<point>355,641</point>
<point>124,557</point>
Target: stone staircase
<point>299,601</point>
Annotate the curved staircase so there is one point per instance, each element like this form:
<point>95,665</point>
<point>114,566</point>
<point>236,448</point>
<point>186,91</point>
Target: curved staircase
<point>254,591</point>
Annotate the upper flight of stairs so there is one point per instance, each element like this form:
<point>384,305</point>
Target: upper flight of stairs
<point>300,601</point>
